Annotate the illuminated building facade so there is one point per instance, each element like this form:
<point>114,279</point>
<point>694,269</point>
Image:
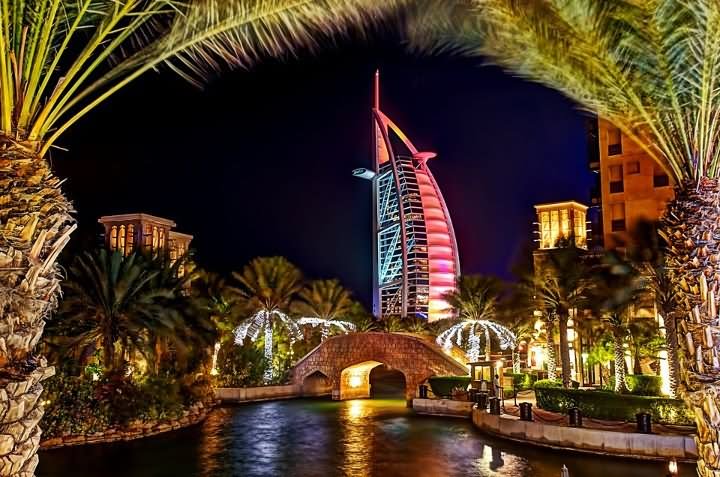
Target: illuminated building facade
<point>631,186</point>
<point>560,222</point>
<point>147,233</point>
<point>415,253</point>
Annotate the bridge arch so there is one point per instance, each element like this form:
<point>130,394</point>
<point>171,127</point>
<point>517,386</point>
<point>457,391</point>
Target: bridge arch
<point>348,359</point>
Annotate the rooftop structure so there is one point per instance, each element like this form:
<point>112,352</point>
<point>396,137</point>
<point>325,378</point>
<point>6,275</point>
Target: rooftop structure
<point>148,233</point>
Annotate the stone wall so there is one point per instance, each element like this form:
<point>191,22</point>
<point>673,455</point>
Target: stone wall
<point>443,407</point>
<point>260,393</point>
<point>135,430</point>
<point>312,388</point>
<point>416,358</point>
<point>625,444</point>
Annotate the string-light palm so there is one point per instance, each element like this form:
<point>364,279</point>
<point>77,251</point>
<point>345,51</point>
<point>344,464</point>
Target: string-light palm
<point>478,332</point>
<point>268,284</point>
<point>473,301</point>
<point>263,321</point>
<point>322,303</point>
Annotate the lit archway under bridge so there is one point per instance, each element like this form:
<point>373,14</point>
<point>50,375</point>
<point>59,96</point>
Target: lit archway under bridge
<point>347,361</point>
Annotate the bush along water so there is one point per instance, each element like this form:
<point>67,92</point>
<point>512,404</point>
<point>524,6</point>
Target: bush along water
<point>443,386</point>
<point>78,405</point>
<point>599,404</point>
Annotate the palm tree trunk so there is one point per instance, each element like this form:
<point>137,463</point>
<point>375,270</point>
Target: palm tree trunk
<point>516,361</point>
<point>671,342</point>
<point>637,365</point>
<point>691,227</point>
<point>36,225</point>
<point>619,350</point>
<point>564,351</point>
<point>550,349</point>
<point>268,351</point>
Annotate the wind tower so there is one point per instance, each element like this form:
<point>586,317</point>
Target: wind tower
<point>415,256</point>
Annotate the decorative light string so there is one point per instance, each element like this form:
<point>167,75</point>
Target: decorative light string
<point>479,332</point>
<point>263,321</point>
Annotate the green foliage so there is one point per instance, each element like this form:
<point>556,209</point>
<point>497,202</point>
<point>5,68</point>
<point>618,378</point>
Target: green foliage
<point>644,385</point>
<point>611,406</point>
<point>129,306</point>
<point>240,366</point>
<point>392,324</point>
<point>80,406</point>
<point>601,352</point>
<point>644,66</point>
<point>443,386</point>
<point>522,381</point>
<point>475,297</point>
<point>547,383</point>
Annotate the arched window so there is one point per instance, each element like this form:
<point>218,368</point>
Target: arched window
<point>154,238</point>
<point>130,238</point>
<point>113,238</point>
<point>121,239</point>
<point>147,237</point>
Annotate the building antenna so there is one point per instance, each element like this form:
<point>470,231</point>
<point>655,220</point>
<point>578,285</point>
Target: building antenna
<point>376,90</point>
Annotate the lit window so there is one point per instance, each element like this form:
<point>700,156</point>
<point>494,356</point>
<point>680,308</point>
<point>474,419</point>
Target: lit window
<point>162,238</point>
<point>155,237</point>
<point>113,238</point>
<point>130,242</point>
<point>121,239</point>
<point>564,224</point>
<point>579,228</point>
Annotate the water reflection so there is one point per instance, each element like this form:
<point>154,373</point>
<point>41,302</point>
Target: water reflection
<point>357,441</point>
<point>315,438</point>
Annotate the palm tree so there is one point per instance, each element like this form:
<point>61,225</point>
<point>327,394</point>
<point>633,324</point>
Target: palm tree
<point>649,68</point>
<point>560,289</point>
<point>323,303</point>
<point>648,252</point>
<point>267,287</point>
<point>474,303</point>
<point>59,60</point>
<point>616,284</point>
<point>549,319</point>
<point>220,302</point>
<point>124,305</point>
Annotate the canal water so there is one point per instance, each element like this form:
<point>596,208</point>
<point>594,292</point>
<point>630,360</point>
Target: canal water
<point>322,438</point>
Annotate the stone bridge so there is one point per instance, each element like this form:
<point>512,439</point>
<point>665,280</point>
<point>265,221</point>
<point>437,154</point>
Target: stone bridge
<point>342,363</point>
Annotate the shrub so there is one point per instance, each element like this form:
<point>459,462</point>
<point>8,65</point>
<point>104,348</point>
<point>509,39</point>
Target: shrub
<point>443,385</point>
<point>644,385</point>
<point>77,405</point>
<point>612,406</point>
<point>522,381</point>
<point>240,365</point>
<point>547,383</point>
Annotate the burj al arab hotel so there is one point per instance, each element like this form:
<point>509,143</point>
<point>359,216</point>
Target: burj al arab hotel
<point>415,258</point>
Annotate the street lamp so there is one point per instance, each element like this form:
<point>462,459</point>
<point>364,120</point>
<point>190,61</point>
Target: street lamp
<point>672,468</point>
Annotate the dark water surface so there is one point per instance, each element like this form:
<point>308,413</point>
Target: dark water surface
<point>318,438</point>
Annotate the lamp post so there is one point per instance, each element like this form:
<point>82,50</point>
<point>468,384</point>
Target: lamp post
<point>672,468</point>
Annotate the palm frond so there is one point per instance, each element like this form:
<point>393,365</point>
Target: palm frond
<point>61,59</point>
<point>648,67</point>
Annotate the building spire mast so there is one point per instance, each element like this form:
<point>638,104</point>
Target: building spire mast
<point>376,91</point>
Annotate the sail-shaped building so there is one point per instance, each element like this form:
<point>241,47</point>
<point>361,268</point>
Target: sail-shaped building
<point>415,251</point>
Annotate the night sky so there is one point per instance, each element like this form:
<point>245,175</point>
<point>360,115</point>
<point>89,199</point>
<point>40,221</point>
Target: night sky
<point>260,161</point>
